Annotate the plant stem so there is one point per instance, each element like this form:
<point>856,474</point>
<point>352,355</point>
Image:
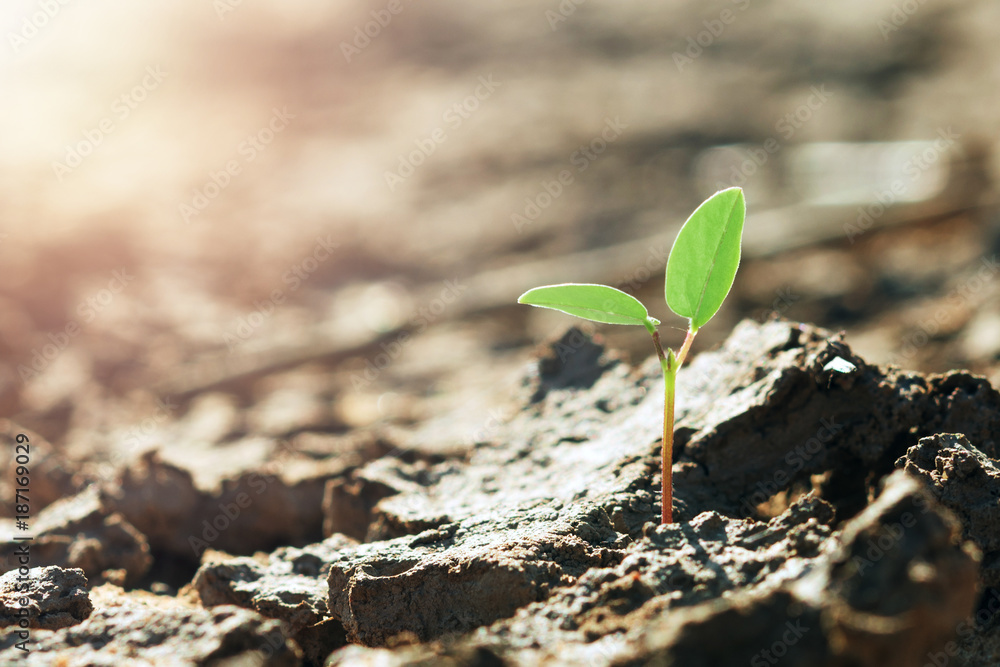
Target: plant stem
<point>651,328</point>
<point>670,364</point>
<point>683,353</point>
<point>667,452</point>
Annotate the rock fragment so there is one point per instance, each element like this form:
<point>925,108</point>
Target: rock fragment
<point>291,587</point>
<point>83,532</point>
<point>48,597</point>
<point>158,631</point>
<point>890,589</point>
<point>546,511</point>
<point>52,476</point>
<point>967,482</point>
<point>260,509</point>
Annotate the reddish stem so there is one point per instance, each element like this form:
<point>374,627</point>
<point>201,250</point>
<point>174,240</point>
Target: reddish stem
<point>667,451</point>
<point>670,365</point>
<point>683,352</point>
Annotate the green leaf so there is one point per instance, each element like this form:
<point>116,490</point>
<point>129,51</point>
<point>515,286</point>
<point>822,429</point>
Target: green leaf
<point>598,303</point>
<point>705,256</point>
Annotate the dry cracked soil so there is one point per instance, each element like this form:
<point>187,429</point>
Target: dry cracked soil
<point>283,408</point>
<point>822,518</point>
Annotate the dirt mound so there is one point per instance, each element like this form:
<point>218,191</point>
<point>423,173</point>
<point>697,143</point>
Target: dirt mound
<point>794,540</point>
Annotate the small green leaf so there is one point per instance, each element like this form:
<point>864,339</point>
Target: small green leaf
<point>702,264</point>
<point>598,303</point>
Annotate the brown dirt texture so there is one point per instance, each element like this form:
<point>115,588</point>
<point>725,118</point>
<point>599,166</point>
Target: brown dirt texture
<point>267,398</point>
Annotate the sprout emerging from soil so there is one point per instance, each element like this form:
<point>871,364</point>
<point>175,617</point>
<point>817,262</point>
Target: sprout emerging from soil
<point>700,272</point>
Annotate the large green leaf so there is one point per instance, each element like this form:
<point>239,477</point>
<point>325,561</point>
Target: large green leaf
<point>598,303</point>
<point>705,256</point>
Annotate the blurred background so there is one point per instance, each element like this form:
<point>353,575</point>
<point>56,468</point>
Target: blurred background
<point>228,223</point>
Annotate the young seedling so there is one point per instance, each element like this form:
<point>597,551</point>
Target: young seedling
<point>701,268</point>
